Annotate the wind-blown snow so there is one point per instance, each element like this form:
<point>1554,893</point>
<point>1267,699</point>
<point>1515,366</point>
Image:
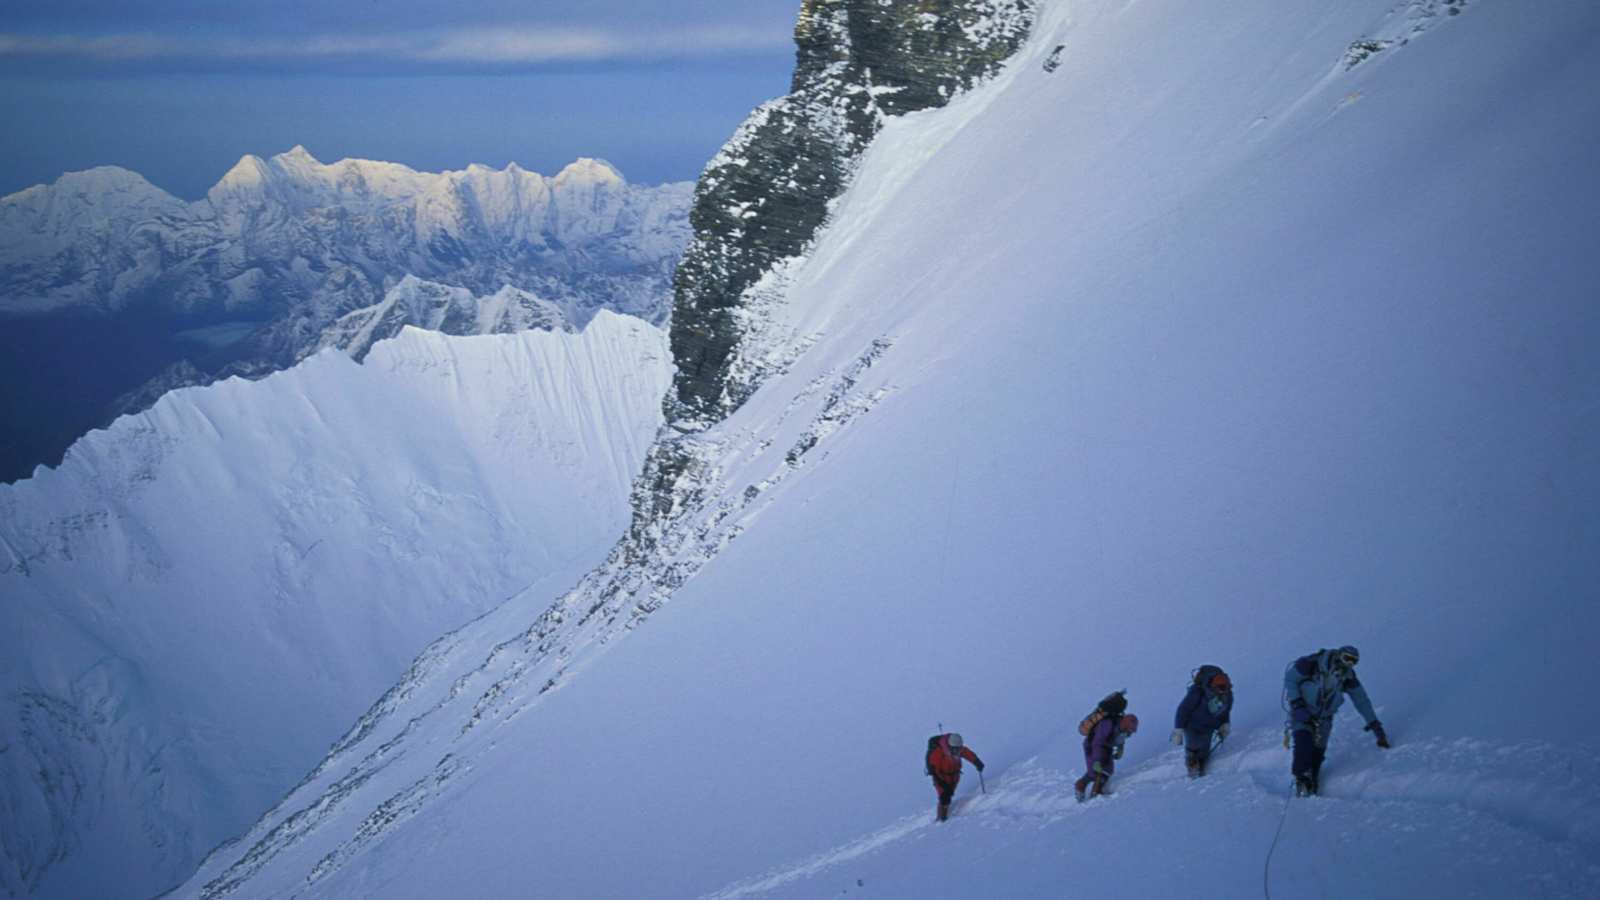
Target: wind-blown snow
<point>1205,346</point>
<point>203,595</point>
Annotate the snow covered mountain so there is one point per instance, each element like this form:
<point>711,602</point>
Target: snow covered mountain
<point>130,292</point>
<point>329,238</point>
<point>1183,339</point>
<point>203,595</point>
<point>450,310</point>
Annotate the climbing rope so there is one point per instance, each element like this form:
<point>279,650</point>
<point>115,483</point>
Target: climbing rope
<point>1266,868</point>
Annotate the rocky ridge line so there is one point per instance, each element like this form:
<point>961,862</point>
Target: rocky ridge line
<point>762,199</point>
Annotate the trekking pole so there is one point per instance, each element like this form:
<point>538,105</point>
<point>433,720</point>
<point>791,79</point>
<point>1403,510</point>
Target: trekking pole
<point>981,786</point>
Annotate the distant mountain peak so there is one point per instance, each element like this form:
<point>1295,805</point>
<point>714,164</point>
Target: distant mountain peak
<point>589,170</point>
<point>94,183</point>
<point>104,178</point>
<point>249,172</point>
<point>283,247</point>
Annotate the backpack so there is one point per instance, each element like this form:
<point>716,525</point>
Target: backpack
<point>1113,705</point>
<point>927,758</point>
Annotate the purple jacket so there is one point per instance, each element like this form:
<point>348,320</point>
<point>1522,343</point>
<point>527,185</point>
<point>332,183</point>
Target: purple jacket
<point>1102,740</point>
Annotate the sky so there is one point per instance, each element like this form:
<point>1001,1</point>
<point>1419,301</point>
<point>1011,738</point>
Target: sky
<point>178,90</point>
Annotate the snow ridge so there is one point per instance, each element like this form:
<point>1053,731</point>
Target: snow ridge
<point>397,759</point>
<point>354,512</point>
<point>287,256</point>
<point>449,310</point>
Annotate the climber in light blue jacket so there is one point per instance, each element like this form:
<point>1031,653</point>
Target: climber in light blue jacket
<point>1314,686</point>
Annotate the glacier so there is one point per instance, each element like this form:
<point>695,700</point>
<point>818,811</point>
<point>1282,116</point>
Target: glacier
<point>1182,340</point>
<point>202,595</point>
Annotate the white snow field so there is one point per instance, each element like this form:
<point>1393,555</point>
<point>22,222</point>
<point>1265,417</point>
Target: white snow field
<point>1203,347</point>
<point>201,598</point>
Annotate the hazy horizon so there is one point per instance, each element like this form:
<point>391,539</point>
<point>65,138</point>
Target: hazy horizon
<point>178,91</point>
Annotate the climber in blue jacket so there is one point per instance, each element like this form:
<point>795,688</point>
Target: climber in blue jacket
<point>1314,686</point>
<point>1202,713</point>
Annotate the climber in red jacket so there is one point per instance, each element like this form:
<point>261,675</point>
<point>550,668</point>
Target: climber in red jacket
<point>943,762</point>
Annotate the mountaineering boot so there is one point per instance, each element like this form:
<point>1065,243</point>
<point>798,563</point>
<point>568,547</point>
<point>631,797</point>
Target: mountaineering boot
<point>1305,786</point>
<point>944,811</point>
<point>1191,762</point>
<point>1080,787</point>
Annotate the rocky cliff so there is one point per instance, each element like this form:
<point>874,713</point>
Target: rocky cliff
<point>765,194</point>
<point>759,204</point>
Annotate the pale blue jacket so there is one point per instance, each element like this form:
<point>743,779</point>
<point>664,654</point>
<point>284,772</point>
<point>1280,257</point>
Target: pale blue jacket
<point>1319,689</point>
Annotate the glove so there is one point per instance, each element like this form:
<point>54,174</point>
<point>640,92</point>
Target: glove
<point>1099,769</point>
<point>1177,737</point>
<point>1377,729</point>
<point>978,765</point>
<point>1223,730</point>
<point>1116,752</point>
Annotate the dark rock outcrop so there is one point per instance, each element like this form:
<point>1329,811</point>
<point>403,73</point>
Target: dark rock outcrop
<point>762,199</point>
<point>759,204</point>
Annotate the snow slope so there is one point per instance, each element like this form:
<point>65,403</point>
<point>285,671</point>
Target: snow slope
<point>202,596</point>
<point>1203,346</point>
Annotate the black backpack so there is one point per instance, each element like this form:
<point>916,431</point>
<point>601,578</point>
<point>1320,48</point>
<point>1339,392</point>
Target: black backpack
<point>1204,674</point>
<point>1114,705</point>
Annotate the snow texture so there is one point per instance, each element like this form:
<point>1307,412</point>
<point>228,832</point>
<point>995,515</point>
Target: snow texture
<point>1203,347</point>
<point>203,595</point>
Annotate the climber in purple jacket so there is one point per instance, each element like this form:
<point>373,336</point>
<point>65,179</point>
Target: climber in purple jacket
<point>1102,745</point>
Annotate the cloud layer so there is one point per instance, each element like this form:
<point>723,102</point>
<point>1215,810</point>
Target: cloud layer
<point>473,48</point>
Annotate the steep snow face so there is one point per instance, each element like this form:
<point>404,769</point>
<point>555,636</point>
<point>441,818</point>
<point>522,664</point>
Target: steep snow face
<point>1183,341</point>
<point>203,595</point>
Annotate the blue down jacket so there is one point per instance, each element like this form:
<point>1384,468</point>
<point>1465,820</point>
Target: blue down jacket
<point>1203,710</point>
<point>1315,690</point>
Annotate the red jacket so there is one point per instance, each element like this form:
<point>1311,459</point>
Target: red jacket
<point>945,765</point>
